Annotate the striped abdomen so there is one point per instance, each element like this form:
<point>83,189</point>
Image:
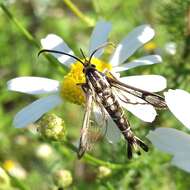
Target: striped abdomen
<point>108,99</point>
<point>114,109</point>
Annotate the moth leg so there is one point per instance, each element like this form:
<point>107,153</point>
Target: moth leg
<point>84,86</point>
<point>114,75</point>
<point>92,90</point>
<point>105,71</point>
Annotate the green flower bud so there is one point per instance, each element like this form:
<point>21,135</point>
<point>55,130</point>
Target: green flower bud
<point>103,172</point>
<point>52,127</point>
<point>62,178</point>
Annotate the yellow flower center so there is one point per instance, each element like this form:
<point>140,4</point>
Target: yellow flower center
<point>150,46</point>
<point>70,88</point>
<point>9,165</point>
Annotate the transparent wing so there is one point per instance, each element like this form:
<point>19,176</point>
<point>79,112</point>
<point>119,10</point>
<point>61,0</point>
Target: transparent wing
<point>113,134</point>
<point>137,106</point>
<point>142,96</point>
<point>106,125</point>
<point>83,144</point>
<point>96,124</point>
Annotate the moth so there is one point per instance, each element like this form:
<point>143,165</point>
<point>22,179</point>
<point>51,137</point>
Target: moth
<point>106,92</point>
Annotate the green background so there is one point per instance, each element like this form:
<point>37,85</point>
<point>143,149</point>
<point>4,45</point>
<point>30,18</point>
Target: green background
<point>18,57</point>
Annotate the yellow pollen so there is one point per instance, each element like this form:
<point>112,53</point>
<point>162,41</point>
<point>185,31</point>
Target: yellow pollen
<point>70,88</point>
<point>150,46</point>
<point>8,165</point>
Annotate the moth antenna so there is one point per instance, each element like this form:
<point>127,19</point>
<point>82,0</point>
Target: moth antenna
<point>82,53</point>
<point>59,52</point>
<point>86,62</point>
<point>100,47</point>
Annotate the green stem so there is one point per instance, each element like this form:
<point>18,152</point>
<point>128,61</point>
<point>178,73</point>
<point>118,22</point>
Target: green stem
<point>19,26</point>
<point>58,146</point>
<point>95,161</point>
<point>109,186</point>
<point>18,183</point>
<point>28,35</point>
<point>77,12</point>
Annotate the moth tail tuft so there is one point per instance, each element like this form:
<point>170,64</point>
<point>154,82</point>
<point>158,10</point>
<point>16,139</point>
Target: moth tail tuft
<point>134,145</point>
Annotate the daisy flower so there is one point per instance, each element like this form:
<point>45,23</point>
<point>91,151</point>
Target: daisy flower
<point>68,90</point>
<point>173,141</point>
<point>15,169</point>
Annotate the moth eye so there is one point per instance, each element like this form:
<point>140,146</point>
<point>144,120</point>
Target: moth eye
<point>93,65</point>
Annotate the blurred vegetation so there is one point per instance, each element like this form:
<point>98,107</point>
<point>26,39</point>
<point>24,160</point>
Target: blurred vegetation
<point>32,20</point>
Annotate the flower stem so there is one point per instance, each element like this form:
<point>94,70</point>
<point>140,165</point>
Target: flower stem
<point>16,182</point>
<point>95,161</point>
<point>19,26</point>
<point>58,146</point>
<point>77,12</point>
<point>28,35</point>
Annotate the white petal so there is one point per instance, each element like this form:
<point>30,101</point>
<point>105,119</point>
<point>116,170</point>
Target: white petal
<point>54,42</point>
<point>33,85</point>
<point>35,110</point>
<point>182,161</point>
<point>143,61</point>
<point>131,43</point>
<point>113,134</point>
<point>170,140</point>
<point>146,113</point>
<point>151,83</point>
<point>178,101</point>
<point>99,37</point>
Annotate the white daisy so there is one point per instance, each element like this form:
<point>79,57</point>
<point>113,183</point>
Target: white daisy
<point>171,140</point>
<point>68,90</point>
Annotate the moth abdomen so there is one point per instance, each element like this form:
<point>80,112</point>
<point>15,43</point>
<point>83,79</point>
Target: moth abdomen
<point>110,102</point>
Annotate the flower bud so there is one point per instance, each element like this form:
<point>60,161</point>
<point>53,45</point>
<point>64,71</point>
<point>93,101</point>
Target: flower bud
<point>51,127</point>
<point>103,172</point>
<point>44,151</point>
<point>62,178</point>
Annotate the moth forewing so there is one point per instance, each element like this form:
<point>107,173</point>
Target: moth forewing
<point>150,98</point>
<point>128,98</point>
